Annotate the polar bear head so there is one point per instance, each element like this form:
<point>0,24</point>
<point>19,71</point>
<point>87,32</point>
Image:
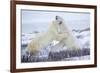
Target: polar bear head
<point>59,20</point>
<point>60,24</point>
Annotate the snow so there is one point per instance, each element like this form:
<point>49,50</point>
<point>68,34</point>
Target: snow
<point>87,57</point>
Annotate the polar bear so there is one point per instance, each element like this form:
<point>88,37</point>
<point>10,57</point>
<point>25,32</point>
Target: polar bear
<point>57,31</point>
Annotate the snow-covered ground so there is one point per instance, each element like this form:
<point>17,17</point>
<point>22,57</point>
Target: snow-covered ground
<point>82,37</point>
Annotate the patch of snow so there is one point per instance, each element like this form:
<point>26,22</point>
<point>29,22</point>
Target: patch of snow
<point>87,57</point>
<point>26,38</point>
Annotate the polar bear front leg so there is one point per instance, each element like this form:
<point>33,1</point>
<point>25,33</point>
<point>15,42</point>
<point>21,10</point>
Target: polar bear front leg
<point>61,36</point>
<point>70,43</point>
<point>33,46</point>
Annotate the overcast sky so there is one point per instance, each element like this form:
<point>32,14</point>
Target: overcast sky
<point>40,20</point>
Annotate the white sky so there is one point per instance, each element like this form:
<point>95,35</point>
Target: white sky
<point>40,20</point>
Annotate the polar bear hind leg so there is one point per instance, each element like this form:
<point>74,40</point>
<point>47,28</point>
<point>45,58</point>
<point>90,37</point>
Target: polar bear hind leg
<point>33,46</point>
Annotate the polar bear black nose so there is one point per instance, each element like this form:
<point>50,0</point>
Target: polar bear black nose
<point>60,22</point>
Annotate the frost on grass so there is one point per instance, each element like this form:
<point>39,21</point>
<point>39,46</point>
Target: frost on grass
<point>61,54</point>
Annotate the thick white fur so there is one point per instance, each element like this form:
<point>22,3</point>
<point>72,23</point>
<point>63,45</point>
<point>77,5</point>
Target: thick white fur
<point>57,31</point>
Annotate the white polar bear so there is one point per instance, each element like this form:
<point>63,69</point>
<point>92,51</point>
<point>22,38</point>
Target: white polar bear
<point>57,31</point>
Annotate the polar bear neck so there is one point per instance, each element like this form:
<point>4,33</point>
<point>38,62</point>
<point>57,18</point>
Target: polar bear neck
<point>58,28</point>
